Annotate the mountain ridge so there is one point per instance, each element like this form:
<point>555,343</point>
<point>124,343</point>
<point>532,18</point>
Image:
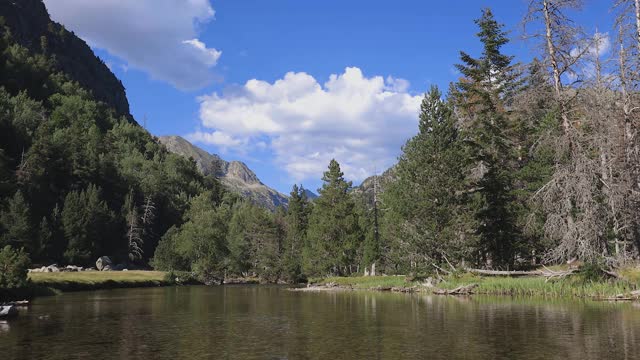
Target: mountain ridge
<point>235,175</point>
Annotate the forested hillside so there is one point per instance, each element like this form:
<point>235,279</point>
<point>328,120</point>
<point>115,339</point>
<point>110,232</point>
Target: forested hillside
<point>514,166</point>
<point>31,28</point>
<point>78,178</point>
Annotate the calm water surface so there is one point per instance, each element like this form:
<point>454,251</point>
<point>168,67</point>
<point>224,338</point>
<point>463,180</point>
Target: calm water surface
<point>262,322</point>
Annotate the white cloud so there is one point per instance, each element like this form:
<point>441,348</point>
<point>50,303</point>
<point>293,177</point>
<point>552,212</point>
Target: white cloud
<point>156,36</point>
<point>217,138</point>
<point>593,49</point>
<point>597,46</point>
<point>361,122</point>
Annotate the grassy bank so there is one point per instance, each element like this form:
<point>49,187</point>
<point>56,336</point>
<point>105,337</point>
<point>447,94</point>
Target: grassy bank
<point>365,282</point>
<point>575,286</point>
<point>93,280</point>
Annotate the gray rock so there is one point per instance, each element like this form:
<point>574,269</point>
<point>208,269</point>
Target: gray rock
<point>118,267</point>
<point>8,311</point>
<point>106,268</point>
<point>73,268</point>
<point>102,262</point>
<point>52,268</point>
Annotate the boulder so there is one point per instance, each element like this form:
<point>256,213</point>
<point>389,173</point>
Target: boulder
<point>8,311</point>
<point>102,262</point>
<point>106,268</point>
<point>53,268</point>
<point>73,268</point>
<point>118,267</point>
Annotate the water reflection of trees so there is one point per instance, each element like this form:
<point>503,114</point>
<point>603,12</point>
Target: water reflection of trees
<point>269,322</point>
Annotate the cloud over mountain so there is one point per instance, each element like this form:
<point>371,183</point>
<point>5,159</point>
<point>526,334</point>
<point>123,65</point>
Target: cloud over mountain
<point>159,37</point>
<point>360,121</point>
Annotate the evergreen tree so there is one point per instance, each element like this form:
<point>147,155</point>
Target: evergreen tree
<point>423,205</point>
<point>297,221</point>
<point>202,238</point>
<point>265,237</point>
<point>480,99</point>
<point>370,251</point>
<point>17,224</point>
<point>45,239</point>
<point>333,235</point>
<point>88,225</point>
<point>238,241</point>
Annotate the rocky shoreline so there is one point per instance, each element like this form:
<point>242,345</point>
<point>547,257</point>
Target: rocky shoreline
<point>103,263</point>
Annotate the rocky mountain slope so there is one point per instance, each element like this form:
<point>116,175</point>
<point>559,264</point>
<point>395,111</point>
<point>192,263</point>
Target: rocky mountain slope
<point>366,189</point>
<point>235,175</point>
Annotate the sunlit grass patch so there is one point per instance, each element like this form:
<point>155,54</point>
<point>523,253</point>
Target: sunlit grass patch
<point>365,282</point>
<point>86,280</point>
<point>571,286</point>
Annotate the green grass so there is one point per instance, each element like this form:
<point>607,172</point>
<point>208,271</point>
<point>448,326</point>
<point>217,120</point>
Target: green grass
<point>365,282</point>
<point>574,286</point>
<point>90,280</point>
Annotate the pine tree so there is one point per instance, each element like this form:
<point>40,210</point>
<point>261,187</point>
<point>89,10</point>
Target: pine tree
<point>481,99</point>
<point>423,205</point>
<point>45,239</point>
<point>333,235</point>
<point>18,228</point>
<point>238,241</point>
<point>88,225</point>
<point>297,221</point>
<point>202,239</point>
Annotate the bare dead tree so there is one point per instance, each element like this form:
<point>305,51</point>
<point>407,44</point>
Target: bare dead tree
<point>575,215</point>
<point>148,215</point>
<point>628,167</point>
<point>134,229</point>
<point>560,36</point>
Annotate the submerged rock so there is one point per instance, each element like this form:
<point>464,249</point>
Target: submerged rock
<point>8,311</point>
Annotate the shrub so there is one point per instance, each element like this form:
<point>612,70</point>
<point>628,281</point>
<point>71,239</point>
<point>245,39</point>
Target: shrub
<point>14,265</point>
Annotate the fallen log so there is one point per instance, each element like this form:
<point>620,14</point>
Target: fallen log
<point>548,273</point>
<point>631,296</point>
<point>16,303</point>
<point>460,290</point>
<point>505,273</point>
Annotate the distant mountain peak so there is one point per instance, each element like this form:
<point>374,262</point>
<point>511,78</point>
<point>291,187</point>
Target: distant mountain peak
<point>235,175</point>
<point>310,194</point>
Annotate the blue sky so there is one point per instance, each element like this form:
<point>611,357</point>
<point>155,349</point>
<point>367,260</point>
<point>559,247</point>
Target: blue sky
<point>252,80</point>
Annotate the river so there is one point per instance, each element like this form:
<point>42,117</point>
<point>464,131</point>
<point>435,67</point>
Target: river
<point>271,322</point>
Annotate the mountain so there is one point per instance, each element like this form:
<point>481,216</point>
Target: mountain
<point>32,28</point>
<point>310,194</point>
<point>366,189</point>
<point>235,175</point>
